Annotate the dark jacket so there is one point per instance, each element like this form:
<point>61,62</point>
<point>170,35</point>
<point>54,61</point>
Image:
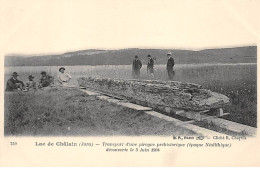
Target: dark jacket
<point>30,85</point>
<point>150,63</point>
<point>46,81</point>
<point>170,63</point>
<point>137,64</point>
<point>11,84</point>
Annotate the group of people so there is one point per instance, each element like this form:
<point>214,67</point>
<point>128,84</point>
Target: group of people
<point>63,78</point>
<point>46,80</point>
<point>137,65</point>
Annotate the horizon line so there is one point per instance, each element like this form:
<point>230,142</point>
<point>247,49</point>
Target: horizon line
<point>117,49</point>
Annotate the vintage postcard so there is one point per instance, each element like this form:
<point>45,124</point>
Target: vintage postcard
<point>129,83</point>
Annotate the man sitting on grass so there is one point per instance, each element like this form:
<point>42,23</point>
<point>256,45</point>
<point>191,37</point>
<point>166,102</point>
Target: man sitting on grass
<point>46,80</point>
<point>13,84</point>
<point>62,77</point>
<point>31,84</point>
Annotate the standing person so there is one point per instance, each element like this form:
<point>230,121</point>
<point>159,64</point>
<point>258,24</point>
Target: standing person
<point>137,65</point>
<point>170,65</point>
<point>150,65</point>
<point>62,77</point>
<point>31,84</point>
<point>14,84</point>
<point>46,80</point>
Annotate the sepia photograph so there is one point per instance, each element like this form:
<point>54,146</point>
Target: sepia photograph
<point>132,92</point>
<point>117,81</point>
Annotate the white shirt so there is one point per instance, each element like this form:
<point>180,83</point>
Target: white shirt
<point>64,77</point>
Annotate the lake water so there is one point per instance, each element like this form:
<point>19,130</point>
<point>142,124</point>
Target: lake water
<point>196,73</point>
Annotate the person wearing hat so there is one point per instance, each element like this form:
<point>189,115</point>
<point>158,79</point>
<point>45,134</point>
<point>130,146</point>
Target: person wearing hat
<point>45,80</point>
<point>150,65</point>
<point>170,65</point>
<point>14,84</point>
<point>62,77</point>
<point>31,84</point>
<point>137,65</point>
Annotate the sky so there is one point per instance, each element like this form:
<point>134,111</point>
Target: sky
<point>56,26</point>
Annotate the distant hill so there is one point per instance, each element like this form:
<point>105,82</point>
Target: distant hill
<point>246,54</point>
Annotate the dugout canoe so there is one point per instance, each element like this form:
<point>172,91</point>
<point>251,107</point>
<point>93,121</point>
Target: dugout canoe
<point>174,94</point>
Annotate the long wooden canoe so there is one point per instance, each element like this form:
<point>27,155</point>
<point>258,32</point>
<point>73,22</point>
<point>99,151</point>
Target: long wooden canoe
<point>173,94</point>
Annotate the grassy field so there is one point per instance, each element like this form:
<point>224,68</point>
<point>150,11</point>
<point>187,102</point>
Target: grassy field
<point>237,81</point>
<point>74,113</point>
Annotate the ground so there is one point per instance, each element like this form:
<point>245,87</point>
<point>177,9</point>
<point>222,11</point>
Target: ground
<point>74,113</point>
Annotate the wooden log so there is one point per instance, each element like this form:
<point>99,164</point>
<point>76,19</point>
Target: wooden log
<point>171,94</point>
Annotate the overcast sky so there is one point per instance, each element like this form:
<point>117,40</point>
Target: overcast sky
<point>56,26</point>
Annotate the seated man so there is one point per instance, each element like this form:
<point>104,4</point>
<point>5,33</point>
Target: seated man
<point>46,80</point>
<point>62,77</point>
<point>31,84</point>
<point>14,84</point>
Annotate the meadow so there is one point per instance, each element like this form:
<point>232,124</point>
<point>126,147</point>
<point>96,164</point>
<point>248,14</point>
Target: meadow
<point>237,81</point>
<point>74,113</point>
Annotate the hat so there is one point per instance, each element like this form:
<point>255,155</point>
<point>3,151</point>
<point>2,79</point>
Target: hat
<point>169,53</point>
<point>136,56</point>
<point>15,74</point>
<point>61,68</point>
<point>149,55</point>
<point>30,77</point>
<point>43,72</point>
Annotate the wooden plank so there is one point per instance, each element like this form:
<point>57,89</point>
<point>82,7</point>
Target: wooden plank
<point>196,129</point>
<point>202,131</point>
<point>91,93</point>
<point>233,126</point>
<point>109,99</point>
<point>103,93</point>
<point>113,100</point>
<point>134,106</point>
<point>161,116</point>
<point>103,97</point>
<point>70,86</point>
<point>203,116</point>
<point>220,112</point>
<point>186,122</point>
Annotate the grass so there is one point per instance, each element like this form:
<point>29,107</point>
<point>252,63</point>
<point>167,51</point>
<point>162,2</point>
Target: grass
<point>237,81</point>
<point>74,113</point>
